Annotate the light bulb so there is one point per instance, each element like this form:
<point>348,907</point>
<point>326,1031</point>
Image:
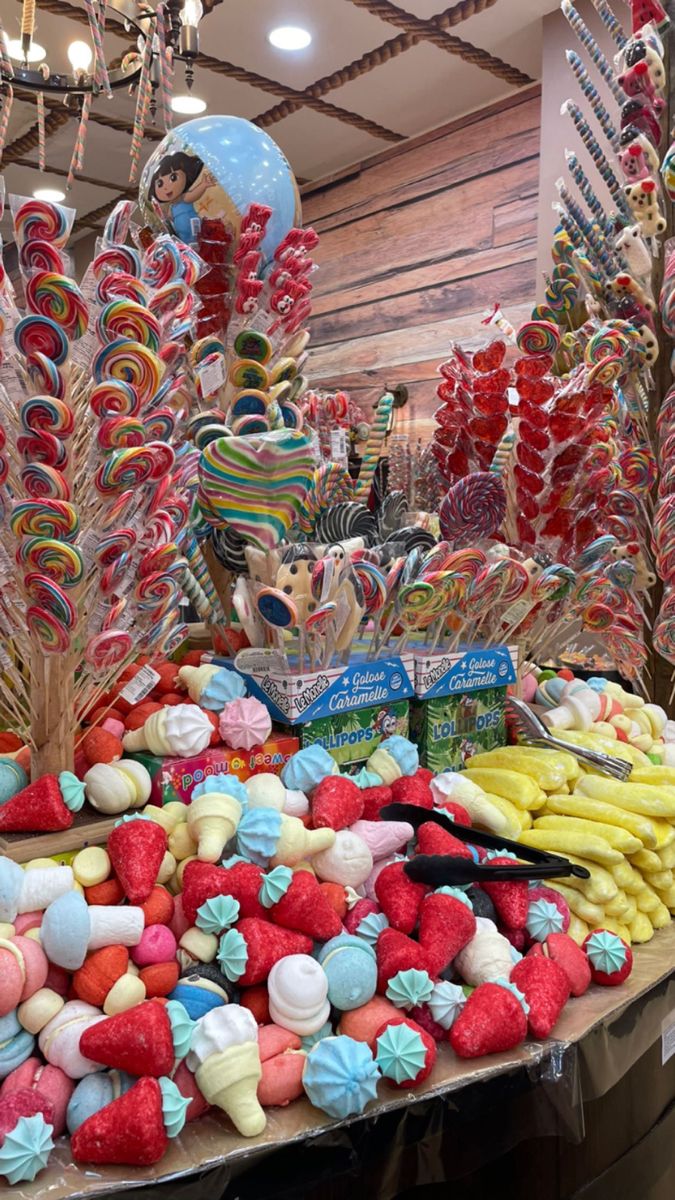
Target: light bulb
<point>289,37</point>
<point>192,13</point>
<point>35,54</point>
<point>188,104</point>
<point>52,195</point>
<point>79,56</point>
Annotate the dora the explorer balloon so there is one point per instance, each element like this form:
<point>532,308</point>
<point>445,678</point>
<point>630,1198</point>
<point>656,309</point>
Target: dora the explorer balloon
<point>177,182</point>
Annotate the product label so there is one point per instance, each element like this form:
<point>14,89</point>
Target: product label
<point>301,698</point>
<point>449,730</point>
<point>668,1038</point>
<point>466,671</point>
<point>350,738</point>
<point>140,686</point>
<point>211,376</point>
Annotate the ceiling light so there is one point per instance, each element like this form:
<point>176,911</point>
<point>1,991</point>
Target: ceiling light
<point>188,104</point>
<point>79,56</point>
<point>289,37</point>
<point>51,195</point>
<point>35,54</point>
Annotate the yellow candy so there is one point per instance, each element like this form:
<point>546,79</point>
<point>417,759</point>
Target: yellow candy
<point>573,768</point>
<point>627,877</point>
<point>519,789</point>
<point>181,844</point>
<point>6,930</point>
<point>647,900</point>
<point>578,930</point>
<point>559,841</point>
<point>667,856</point>
<point>660,917</point>
<point>668,897</point>
<point>641,928</point>
<point>547,772</point>
<point>646,860</point>
<point>659,880</point>
<point>596,810</point>
<point>510,814</point>
<point>620,839</point>
<point>39,862</point>
<point>593,741</point>
<point>487,814</point>
<point>577,902</point>
<point>167,869</point>
<point>641,798</point>
<point>622,908</point>
<point>127,992</point>
<point>91,866</point>
<point>599,888</point>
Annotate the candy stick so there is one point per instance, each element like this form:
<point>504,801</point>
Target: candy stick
<point>165,68</point>
<point>590,142</point>
<point>77,160</point>
<point>600,249</point>
<point>590,92</point>
<point>96,15</point>
<point>4,116</point>
<point>581,179</point>
<point>142,107</point>
<point>373,447</point>
<point>610,22</point>
<point>41,130</point>
<point>589,43</point>
<point>579,239</point>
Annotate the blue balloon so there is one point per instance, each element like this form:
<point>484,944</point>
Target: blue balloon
<point>217,167</point>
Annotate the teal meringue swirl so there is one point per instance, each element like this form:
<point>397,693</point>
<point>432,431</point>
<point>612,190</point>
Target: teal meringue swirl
<point>408,989</point>
<point>72,791</point>
<point>174,1107</point>
<point>233,955</point>
<point>401,1053</point>
<point>26,1149</point>
<point>217,914</point>
<point>274,886</point>
<point>182,1027</point>
<point>606,951</point>
<point>457,893</point>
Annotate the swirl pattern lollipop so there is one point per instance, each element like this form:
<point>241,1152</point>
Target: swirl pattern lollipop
<point>117,258</point>
<point>120,286</point>
<point>44,482</point>
<point>46,518</point>
<point>40,335</point>
<point>108,649</point>
<point>44,374</point>
<point>38,255</point>
<point>256,485</point>
<point>114,397</point>
<point>127,319</point>
<point>47,413</point>
<point>538,337</point>
<point>473,508</point>
<point>59,298</point>
<point>51,636</point>
<point>132,363</point>
<point>40,220</point>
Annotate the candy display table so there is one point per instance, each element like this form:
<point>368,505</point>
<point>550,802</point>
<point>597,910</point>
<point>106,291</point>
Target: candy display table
<point>546,1091</point>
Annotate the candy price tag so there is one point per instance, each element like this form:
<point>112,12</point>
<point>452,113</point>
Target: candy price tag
<point>668,1038</point>
<point>88,544</point>
<point>212,376</point>
<point>140,686</point>
<point>316,448</point>
<point>338,446</point>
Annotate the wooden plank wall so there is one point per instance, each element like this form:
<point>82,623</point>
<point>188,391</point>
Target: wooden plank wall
<point>415,244</point>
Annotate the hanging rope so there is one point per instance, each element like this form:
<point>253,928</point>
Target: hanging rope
<point>6,68</point>
<point>77,160</point>
<point>4,117</point>
<point>27,24</point>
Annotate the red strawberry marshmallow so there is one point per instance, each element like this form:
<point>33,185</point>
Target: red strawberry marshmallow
<point>129,1130</point>
<point>38,808</point>
<point>336,803</point>
<point>374,799</point>
<point>136,850</point>
<point>139,1040</point>
<point>609,957</point>
<point>203,881</point>
<point>492,1020</point>
<point>305,909</point>
<point>24,1102</point>
<point>433,839</point>
<point>249,950</point>
<point>410,789</point>
<point>510,898</point>
<point>447,924</point>
<point>399,897</point>
<point>395,952</point>
<point>47,1082</point>
<point>546,989</point>
<point>405,1056</point>
<point>568,955</point>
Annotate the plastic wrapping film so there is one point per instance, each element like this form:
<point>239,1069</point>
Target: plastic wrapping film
<point>407,1139</point>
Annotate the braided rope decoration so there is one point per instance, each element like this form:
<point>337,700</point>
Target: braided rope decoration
<point>30,140</point>
<point>55,109</point>
<point>431,31</point>
<point>375,58</point>
<point>207,62</point>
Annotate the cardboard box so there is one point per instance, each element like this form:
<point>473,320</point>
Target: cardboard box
<point>350,737</point>
<point>467,669</point>
<point>299,698</point>
<point>174,778</point>
<point>448,730</point>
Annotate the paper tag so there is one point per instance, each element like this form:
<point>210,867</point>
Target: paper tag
<point>316,448</point>
<point>668,1038</point>
<point>88,544</point>
<point>140,686</point>
<point>211,376</point>
<point>338,446</point>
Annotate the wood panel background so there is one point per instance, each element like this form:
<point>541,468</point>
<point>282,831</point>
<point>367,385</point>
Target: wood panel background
<point>415,244</point>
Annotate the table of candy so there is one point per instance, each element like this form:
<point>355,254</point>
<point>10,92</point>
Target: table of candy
<point>311,932</point>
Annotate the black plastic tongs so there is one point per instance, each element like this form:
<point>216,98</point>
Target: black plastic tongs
<point>440,870</point>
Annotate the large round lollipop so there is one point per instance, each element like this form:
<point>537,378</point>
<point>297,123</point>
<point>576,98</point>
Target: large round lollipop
<point>474,507</point>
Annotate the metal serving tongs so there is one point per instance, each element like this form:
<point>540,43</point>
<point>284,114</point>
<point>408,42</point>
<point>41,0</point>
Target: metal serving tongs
<point>532,732</point>
<point>441,869</point>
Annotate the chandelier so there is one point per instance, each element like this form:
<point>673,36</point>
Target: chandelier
<point>165,33</point>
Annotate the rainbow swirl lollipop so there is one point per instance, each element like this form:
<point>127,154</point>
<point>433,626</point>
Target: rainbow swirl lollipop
<point>59,298</point>
<point>44,374</point>
<point>40,335</point>
<point>41,220</point>
<point>117,258</point>
<point>39,255</point>
<point>120,286</point>
<point>113,545</point>
<point>127,319</point>
<point>50,634</point>
<point>116,432</point>
<point>44,482</point>
<point>124,469</point>
<point>44,592</point>
<point>42,447</point>
<point>108,649</point>
<point>47,413</point>
<point>132,363</point>
<point>45,518</point>
<point>114,398</point>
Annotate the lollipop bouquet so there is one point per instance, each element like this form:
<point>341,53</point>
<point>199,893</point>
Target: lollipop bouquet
<point>97,481</point>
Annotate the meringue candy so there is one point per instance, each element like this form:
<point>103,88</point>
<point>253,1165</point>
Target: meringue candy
<point>245,723</point>
<point>180,730</point>
<point>266,791</point>
<point>298,994</point>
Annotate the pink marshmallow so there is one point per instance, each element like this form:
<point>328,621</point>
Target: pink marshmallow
<point>25,921</point>
<point>157,945</point>
<point>112,725</point>
<point>179,923</point>
<point>529,687</point>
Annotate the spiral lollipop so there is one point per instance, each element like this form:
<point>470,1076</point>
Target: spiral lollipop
<point>44,482</point>
<point>38,255</point>
<point>59,298</point>
<point>536,338</point>
<point>50,634</point>
<point>132,363</point>
<point>44,374</point>
<point>474,507</point>
<point>108,649</point>
<point>127,319</point>
<point>47,518</point>
<point>39,335</point>
<point>117,258</point>
<point>120,286</point>
<point>40,220</point>
<point>114,397</point>
<point>49,414</point>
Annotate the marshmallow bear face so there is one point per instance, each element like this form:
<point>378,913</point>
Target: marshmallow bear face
<point>650,344</point>
<point>642,198</point>
<point>633,162</point>
<point>635,251</point>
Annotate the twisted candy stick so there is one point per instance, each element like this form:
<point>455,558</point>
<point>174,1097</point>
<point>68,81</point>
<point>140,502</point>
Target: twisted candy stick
<point>590,92</point>
<point>581,179</point>
<point>589,43</point>
<point>373,447</point>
